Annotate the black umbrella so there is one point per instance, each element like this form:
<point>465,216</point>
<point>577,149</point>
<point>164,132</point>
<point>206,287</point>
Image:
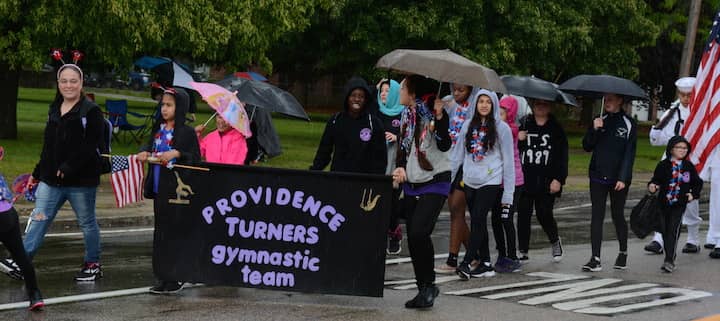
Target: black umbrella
<point>597,85</point>
<point>536,88</point>
<point>266,96</point>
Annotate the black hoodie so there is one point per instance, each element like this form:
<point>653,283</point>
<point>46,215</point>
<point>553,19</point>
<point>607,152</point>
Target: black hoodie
<point>184,141</point>
<point>690,182</point>
<point>544,154</point>
<point>71,147</point>
<point>355,144</point>
<point>613,148</point>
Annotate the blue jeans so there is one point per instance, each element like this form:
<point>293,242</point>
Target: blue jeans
<point>49,199</point>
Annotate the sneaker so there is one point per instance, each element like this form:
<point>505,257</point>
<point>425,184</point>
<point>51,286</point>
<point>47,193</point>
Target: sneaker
<point>668,267</point>
<point>394,241</point>
<point>9,267</point>
<point>514,266</point>
<point>36,301</point>
<point>593,265</point>
<point>523,256</point>
<point>709,246</point>
<point>445,269</point>
<point>425,297</point>
<point>557,251</point>
<point>621,261</point>
<point>502,265</point>
<point>715,254</point>
<point>485,269</point>
<point>691,248</point>
<point>167,287</point>
<point>463,271</point>
<point>89,272</point>
<point>654,247</point>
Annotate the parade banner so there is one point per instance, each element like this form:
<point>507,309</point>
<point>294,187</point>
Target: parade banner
<point>269,228</point>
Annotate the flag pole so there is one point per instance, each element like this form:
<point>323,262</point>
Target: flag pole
<point>153,160</point>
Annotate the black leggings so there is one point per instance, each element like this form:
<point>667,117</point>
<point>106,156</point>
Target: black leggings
<point>671,233</point>
<point>395,210</point>
<point>504,227</point>
<point>421,213</point>
<point>480,201</point>
<point>543,204</point>
<point>598,197</point>
<point>10,237</point>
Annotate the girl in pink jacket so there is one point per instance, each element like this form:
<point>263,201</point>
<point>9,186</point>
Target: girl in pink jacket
<point>225,145</point>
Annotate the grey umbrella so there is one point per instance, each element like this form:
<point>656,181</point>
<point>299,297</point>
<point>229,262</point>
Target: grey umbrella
<point>597,85</point>
<point>442,65</point>
<point>536,88</point>
<point>265,96</point>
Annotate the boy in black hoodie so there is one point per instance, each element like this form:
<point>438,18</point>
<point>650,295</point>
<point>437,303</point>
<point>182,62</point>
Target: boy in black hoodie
<point>355,137</point>
<point>678,183</point>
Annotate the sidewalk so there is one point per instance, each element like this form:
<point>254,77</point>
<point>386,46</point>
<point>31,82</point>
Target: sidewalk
<point>141,214</point>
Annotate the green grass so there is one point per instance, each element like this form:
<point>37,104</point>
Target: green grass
<point>299,139</point>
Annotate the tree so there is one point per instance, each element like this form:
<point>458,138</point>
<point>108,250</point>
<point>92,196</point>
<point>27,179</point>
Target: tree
<point>552,39</point>
<point>112,33</point>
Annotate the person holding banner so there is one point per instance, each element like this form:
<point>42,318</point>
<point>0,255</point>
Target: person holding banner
<point>173,141</point>
<point>354,139</point>
<point>612,139</point>
<point>225,145</point>
<point>423,169</point>
<point>488,173</point>
<point>670,125</point>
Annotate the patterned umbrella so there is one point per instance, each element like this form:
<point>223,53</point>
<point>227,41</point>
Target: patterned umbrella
<point>226,104</point>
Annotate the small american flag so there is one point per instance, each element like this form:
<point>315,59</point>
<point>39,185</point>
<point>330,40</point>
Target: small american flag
<point>126,179</point>
<point>703,123</point>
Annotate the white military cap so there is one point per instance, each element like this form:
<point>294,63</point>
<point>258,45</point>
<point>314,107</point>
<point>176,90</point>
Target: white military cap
<point>685,84</point>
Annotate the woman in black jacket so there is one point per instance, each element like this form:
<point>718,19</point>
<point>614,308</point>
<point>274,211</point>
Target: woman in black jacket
<point>173,141</point>
<point>69,169</point>
<point>355,138</point>
<point>612,139</point>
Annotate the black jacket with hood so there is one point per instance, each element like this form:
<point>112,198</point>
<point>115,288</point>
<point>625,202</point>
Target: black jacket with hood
<point>613,148</point>
<point>184,141</point>
<point>354,144</point>
<point>544,154</point>
<point>690,182</point>
<point>71,147</point>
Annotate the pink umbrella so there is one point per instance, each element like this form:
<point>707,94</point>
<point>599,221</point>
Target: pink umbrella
<point>226,104</point>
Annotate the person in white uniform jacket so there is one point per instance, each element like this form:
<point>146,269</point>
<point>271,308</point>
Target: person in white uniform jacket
<point>670,125</point>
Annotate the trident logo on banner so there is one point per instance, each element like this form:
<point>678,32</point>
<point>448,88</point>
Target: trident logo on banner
<point>182,190</point>
<point>368,204</point>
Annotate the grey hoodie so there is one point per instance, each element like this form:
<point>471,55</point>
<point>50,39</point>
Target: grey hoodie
<point>498,165</point>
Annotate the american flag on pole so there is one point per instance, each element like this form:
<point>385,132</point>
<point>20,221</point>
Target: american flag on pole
<point>701,127</point>
<point>126,179</point>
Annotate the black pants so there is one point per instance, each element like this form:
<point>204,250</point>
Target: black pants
<point>542,204</point>
<point>671,232</point>
<point>10,237</point>
<point>598,197</point>
<point>421,213</point>
<point>480,201</point>
<point>395,210</point>
<point>504,227</point>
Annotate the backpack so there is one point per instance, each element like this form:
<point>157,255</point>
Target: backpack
<point>104,147</point>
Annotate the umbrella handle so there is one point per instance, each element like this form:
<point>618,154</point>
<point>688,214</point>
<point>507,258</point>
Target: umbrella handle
<point>209,119</point>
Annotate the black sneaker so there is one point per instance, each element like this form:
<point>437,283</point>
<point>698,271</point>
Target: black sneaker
<point>9,267</point>
<point>89,273</point>
<point>668,267</point>
<point>654,247</point>
<point>167,287</point>
<point>621,262</point>
<point>709,246</point>
<point>691,248</point>
<point>484,269</point>
<point>425,297</point>
<point>715,254</point>
<point>557,251</point>
<point>463,271</point>
<point>593,265</point>
<point>394,246</point>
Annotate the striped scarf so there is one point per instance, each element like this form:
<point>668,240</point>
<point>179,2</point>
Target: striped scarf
<point>675,182</point>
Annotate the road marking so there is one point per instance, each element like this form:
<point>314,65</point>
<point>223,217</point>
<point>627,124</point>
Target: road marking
<point>145,229</point>
<point>408,259</point>
<point>78,298</point>
<point>410,284</point>
<point>550,278</point>
<point>586,306</point>
<point>566,208</point>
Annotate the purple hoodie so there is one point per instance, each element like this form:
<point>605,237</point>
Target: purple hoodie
<point>510,105</point>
